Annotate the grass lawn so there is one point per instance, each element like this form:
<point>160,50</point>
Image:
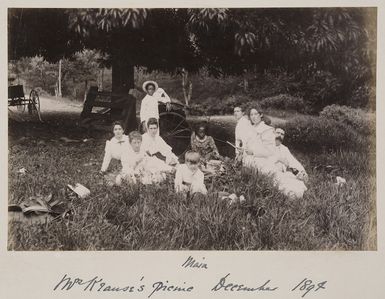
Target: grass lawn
<point>155,218</point>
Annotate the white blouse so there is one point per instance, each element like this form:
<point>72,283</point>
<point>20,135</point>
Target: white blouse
<point>152,145</point>
<point>115,149</point>
<point>132,159</point>
<point>261,138</point>
<point>242,131</point>
<point>286,159</point>
<point>186,180</point>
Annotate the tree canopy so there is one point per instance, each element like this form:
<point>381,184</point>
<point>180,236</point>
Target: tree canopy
<point>340,41</point>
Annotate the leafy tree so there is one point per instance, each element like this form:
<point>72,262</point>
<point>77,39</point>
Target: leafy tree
<point>303,41</point>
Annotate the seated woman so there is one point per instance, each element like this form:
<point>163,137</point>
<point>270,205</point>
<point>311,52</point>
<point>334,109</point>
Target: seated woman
<point>160,156</point>
<point>116,148</point>
<point>261,154</point>
<point>259,148</point>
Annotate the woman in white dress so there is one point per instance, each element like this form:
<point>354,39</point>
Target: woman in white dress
<point>116,147</point>
<point>262,154</point>
<point>160,159</point>
<point>259,148</point>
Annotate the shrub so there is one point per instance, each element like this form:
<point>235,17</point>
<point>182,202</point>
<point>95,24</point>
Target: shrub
<point>283,102</point>
<point>318,133</point>
<point>355,118</point>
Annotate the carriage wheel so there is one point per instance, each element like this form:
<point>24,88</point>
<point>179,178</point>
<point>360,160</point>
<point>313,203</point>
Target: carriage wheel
<point>34,102</point>
<point>175,130</point>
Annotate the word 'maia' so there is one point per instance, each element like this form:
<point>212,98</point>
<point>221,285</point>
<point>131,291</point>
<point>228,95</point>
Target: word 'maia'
<point>192,263</point>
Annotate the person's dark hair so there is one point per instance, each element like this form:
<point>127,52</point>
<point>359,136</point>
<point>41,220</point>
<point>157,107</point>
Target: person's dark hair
<point>148,84</point>
<point>117,123</point>
<point>152,121</point>
<point>264,118</point>
<point>243,107</point>
<point>201,125</point>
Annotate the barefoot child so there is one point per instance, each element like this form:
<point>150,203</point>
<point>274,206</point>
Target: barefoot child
<point>188,177</point>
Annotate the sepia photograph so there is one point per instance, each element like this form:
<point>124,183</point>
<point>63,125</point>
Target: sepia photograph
<point>249,129</point>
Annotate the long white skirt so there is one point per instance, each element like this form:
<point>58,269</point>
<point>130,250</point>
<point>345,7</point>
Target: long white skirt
<point>286,181</point>
<point>289,184</point>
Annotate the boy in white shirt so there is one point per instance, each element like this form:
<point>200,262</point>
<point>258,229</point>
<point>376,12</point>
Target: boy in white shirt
<point>189,178</point>
<point>149,106</point>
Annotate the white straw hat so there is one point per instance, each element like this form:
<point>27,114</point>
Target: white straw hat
<point>149,82</point>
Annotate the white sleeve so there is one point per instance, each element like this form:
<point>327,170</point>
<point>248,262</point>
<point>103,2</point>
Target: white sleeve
<point>107,156</point>
<point>163,96</point>
<point>166,150</point>
<point>143,109</point>
<point>293,162</point>
<point>237,137</point>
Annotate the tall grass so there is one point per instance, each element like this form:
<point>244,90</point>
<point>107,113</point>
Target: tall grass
<point>137,217</point>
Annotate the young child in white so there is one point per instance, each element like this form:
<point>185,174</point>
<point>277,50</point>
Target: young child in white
<point>133,160</point>
<point>188,177</point>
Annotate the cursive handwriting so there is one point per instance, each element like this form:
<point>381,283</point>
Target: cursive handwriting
<point>223,285</point>
<point>94,284</point>
<point>192,263</point>
<point>160,286</point>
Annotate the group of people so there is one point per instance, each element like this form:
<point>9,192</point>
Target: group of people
<point>148,158</point>
<point>259,146</point>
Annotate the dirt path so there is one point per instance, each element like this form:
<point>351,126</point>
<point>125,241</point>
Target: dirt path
<point>60,108</point>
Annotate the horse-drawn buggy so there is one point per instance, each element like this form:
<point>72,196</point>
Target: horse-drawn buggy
<point>174,128</point>
<point>17,98</point>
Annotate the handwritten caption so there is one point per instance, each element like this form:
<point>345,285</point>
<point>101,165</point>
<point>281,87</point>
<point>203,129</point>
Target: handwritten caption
<point>226,284</point>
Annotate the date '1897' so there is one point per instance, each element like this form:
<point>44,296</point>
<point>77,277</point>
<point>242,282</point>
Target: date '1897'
<point>307,285</point>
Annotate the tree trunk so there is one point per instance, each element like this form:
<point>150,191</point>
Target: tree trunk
<point>245,81</point>
<point>101,79</point>
<point>59,93</point>
<point>122,82</point>
<point>186,86</point>
<point>85,90</point>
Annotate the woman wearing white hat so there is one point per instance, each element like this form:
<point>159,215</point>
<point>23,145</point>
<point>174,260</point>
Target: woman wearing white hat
<point>149,105</point>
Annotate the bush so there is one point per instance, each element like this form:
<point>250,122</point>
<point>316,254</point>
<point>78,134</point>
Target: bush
<point>283,102</point>
<point>355,118</point>
<point>319,133</point>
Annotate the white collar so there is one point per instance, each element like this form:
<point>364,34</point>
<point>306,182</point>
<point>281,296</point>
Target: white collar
<point>115,140</point>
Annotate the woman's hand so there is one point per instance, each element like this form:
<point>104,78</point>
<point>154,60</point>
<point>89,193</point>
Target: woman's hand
<point>168,107</point>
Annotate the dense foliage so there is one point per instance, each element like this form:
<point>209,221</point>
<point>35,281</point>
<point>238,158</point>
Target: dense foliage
<point>331,52</point>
